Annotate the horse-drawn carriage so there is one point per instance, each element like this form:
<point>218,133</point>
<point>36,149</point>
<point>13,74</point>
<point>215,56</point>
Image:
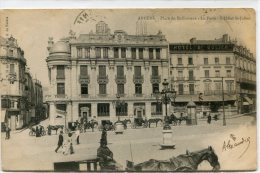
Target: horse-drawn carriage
<point>107,125</point>
<point>140,122</point>
<point>40,130</point>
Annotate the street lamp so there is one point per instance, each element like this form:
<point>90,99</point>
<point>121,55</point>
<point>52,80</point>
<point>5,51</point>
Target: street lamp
<point>166,96</point>
<point>223,102</point>
<point>119,104</point>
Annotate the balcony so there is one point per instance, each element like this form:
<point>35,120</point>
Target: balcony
<point>138,79</point>
<point>219,92</point>
<point>120,79</point>
<point>191,78</point>
<point>84,79</point>
<point>60,77</point>
<point>187,93</point>
<point>155,79</point>
<point>60,96</point>
<point>84,95</point>
<point>12,77</point>
<point>180,78</point>
<point>102,79</point>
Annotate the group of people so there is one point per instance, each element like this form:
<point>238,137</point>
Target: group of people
<point>67,147</point>
<point>39,131</point>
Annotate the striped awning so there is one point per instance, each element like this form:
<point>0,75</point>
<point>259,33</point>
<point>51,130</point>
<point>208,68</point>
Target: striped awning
<point>248,100</point>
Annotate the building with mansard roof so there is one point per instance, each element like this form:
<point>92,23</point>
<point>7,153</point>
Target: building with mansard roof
<point>196,70</point>
<point>103,75</point>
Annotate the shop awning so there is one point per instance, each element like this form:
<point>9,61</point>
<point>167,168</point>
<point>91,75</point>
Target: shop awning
<point>248,100</point>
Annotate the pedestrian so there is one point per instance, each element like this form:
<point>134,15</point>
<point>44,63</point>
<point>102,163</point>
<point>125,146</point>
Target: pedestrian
<point>49,130</point>
<point>37,131</point>
<point>104,135</point>
<point>7,131</point>
<point>209,119</point>
<point>60,141</point>
<point>40,131</point>
<point>77,135</point>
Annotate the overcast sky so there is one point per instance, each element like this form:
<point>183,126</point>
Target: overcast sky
<point>33,27</point>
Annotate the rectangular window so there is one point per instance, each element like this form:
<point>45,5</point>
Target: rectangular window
<point>155,87</point>
<point>158,53</point>
<point>155,71</point>
<point>120,89</point>
<point>83,71</point>
<point>123,52</point>
<point>206,73</point>
<point>206,61</point>
<point>12,71</point>
<point>102,89</point>
<point>79,52</point>
<point>216,60</point>
<point>228,73</point>
<point>60,72</point>
<point>217,73</point>
<point>105,52</point>
<point>11,52</point>
<point>137,71</point>
<point>102,71</point>
<point>60,88</point>
<point>141,53</point>
<point>98,52</point>
<point>190,61</point>
<point>87,52</point>
<point>207,88</point>
<point>103,109</point>
<point>228,60</point>
<point>120,70</point>
<point>150,53</point>
<point>133,53</point>
<point>180,75</point>
<point>229,87</point>
<point>179,61</point>
<point>84,88</point>
<point>138,88</point>
<point>191,88</point>
<point>181,89</point>
<point>191,76</point>
<point>218,87</point>
<point>116,52</point>
<point>121,109</point>
<point>156,109</point>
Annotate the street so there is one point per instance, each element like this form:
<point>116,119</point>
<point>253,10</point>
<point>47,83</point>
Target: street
<point>23,152</point>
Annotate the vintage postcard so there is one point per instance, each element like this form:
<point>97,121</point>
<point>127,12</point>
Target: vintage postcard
<point>128,90</point>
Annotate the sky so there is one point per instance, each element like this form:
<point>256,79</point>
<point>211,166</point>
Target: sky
<point>32,28</point>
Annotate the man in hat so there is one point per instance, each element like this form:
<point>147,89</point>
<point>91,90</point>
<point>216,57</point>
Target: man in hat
<point>60,141</point>
<point>105,156</point>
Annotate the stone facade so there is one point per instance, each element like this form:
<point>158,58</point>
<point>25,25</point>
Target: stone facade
<point>104,75</point>
<point>16,85</point>
<point>197,68</point>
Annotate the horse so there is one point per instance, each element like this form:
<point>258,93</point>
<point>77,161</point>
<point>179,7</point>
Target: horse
<point>154,120</point>
<point>183,162</point>
<point>55,127</point>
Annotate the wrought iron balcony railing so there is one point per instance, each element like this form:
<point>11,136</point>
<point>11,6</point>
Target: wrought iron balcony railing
<point>120,79</point>
<point>102,79</point>
<point>138,79</point>
<point>155,79</point>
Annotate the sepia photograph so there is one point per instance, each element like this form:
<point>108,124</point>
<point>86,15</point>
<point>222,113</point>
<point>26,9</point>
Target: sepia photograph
<point>132,90</point>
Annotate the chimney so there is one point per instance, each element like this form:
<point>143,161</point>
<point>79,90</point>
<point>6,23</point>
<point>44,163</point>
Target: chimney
<point>225,38</point>
<point>50,43</point>
<point>193,40</point>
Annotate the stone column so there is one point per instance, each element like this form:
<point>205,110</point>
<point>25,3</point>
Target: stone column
<point>119,53</point>
<point>137,53</point>
<point>154,53</point>
<point>128,52</point>
<point>102,53</point>
<point>75,112</point>
<point>110,52</point>
<point>112,112</point>
<point>83,53</point>
<point>94,110</point>
<point>52,113</point>
<point>92,52</point>
<point>146,54</point>
<point>148,110</point>
<point>69,113</point>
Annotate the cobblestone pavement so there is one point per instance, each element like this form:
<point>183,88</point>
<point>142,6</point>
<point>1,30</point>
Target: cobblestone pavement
<point>24,152</point>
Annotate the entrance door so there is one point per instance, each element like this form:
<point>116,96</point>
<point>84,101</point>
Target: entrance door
<point>139,113</point>
<point>85,116</point>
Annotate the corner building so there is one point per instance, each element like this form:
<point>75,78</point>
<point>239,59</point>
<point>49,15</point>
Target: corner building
<point>198,67</point>
<point>88,73</point>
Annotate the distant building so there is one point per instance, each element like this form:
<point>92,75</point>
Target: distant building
<point>104,75</point>
<point>197,68</point>
<point>16,86</point>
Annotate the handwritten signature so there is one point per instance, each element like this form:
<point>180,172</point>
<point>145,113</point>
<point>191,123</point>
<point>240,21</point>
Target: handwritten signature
<point>234,142</point>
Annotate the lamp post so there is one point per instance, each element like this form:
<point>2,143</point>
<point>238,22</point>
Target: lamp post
<point>223,102</point>
<point>166,96</point>
<point>119,104</point>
